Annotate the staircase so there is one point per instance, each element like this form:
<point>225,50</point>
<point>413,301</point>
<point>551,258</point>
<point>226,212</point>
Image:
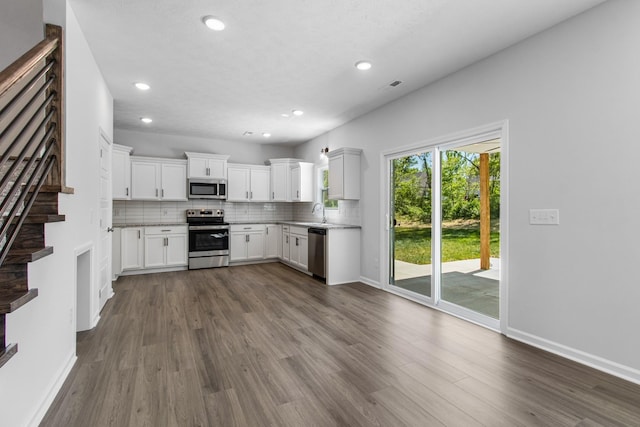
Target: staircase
<point>31,169</point>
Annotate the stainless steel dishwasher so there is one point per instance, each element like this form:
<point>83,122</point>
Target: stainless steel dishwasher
<point>317,255</point>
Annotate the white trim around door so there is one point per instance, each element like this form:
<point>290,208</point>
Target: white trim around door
<point>470,136</point>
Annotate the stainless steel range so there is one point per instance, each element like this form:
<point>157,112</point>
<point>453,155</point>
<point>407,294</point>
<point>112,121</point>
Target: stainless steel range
<point>208,238</point>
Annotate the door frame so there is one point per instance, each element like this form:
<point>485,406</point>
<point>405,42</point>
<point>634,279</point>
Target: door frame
<point>465,137</point>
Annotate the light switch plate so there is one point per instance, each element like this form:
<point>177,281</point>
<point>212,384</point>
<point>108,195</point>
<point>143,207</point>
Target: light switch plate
<point>544,216</point>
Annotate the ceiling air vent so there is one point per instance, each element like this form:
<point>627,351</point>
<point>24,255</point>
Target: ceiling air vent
<point>395,83</point>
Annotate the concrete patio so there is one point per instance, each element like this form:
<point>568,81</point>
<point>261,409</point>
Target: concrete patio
<point>463,283</point>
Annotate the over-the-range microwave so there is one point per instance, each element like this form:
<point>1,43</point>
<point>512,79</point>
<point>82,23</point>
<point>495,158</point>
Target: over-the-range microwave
<point>207,189</point>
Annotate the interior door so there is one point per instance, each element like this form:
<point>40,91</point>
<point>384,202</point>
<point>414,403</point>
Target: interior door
<point>104,251</point>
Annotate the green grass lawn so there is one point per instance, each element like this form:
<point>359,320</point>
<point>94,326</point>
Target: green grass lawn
<point>459,241</point>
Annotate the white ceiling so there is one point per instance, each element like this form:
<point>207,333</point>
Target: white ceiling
<point>279,55</point>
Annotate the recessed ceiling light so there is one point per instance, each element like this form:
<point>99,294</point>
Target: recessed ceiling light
<point>213,23</point>
<point>146,120</point>
<point>142,86</point>
<point>297,112</point>
<point>284,115</point>
<point>363,65</point>
<point>266,134</point>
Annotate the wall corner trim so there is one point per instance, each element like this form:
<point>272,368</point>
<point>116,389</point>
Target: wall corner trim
<point>370,282</point>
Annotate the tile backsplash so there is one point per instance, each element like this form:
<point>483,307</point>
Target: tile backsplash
<point>154,212</point>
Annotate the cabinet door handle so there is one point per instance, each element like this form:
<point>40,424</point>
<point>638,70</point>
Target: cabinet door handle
<point>163,192</point>
<point>247,195</point>
<point>297,194</point>
<point>273,195</point>
<point>287,239</point>
<point>126,191</point>
<point>246,237</point>
<point>267,231</point>
<point>297,241</point>
<point>138,234</point>
<point>251,193</point>
<point>208,171</point>
<point>156,192</point>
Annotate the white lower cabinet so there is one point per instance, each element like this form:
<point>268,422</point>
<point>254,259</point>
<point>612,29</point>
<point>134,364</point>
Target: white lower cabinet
<point>246,242</point>
<point>298,247</point>
<point>286,249</point>
<point>272,241</point>
<point>165,246</point>
<point>132,248</point>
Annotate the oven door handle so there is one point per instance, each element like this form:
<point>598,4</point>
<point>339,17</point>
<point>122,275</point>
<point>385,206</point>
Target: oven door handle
<point>208,227</point>
<point>219,235</point>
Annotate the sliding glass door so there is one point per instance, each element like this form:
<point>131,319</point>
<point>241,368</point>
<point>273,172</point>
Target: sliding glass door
<point>470,227</point>
<point>410,223</point>
<point>444,228</point>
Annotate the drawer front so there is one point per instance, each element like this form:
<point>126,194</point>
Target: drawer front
<point>302,231</point>
<point>179,229</point>
<point>247,227</point>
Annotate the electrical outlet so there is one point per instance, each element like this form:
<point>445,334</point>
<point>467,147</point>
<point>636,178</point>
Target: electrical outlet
<point>544,216</point>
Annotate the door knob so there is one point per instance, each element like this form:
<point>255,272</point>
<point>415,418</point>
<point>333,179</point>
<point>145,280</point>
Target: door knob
<point>110,229</point>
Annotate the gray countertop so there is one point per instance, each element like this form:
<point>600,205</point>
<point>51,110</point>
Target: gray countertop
<point>151,224</point>
<point>327,226</point>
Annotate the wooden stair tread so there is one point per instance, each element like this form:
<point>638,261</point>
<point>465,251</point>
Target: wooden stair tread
<point>11,300</point>
<point>24,255</point>
<point>56,189</point>
<point>41,218</point>
<point>7,353</point>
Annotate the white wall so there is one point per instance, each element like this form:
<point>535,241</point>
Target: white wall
<point>571,97</point>
<point>45,328</point>
<point>21,28</point>
<point>174,146</point>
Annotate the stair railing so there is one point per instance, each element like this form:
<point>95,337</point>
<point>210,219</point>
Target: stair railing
<point>31,132</point>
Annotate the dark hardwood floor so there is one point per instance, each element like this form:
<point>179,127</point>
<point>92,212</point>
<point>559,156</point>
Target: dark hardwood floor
<point>264,345</point>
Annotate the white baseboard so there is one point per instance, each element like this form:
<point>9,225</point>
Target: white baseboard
<point>596,362</point>
<point>370,282</point>
<point>55,387</point>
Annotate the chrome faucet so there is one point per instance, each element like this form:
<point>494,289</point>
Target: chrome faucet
<point>313,210</point>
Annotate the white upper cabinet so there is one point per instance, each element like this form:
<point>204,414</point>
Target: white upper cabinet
<point>202,165</point>
<point>281,179</point>
<point>121,172</point>
<point>344,174</point>
<point>260,183</point>
<point>174,182</point>
<point>158,179</point>
<point>248,183</point>
<point>302,182</point>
